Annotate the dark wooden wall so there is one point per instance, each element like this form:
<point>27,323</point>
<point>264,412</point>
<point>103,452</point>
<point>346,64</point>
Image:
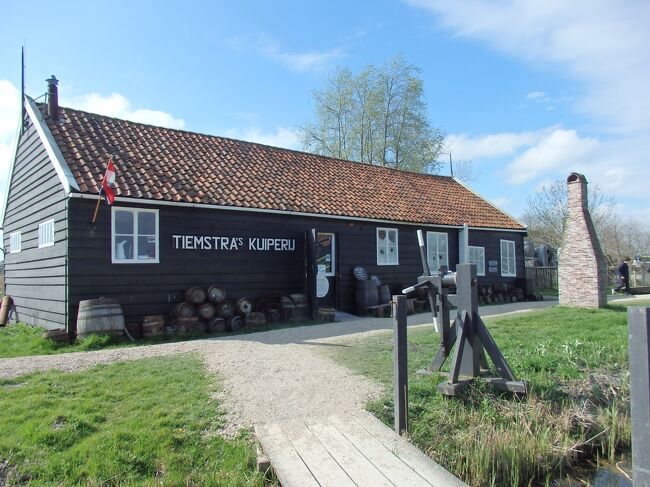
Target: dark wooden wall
<point>36,278</point>
<point>153,288</point>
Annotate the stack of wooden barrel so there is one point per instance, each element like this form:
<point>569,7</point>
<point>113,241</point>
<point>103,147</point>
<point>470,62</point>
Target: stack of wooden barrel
<point>212,312</point>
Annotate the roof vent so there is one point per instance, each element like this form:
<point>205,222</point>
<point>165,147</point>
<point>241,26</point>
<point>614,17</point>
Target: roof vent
<point>53,98</point>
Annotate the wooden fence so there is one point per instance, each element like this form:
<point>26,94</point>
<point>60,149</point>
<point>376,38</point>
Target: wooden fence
<point>542,278</point>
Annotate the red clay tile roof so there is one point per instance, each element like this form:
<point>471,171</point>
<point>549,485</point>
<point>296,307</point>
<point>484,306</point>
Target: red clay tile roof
<point>173,165</point>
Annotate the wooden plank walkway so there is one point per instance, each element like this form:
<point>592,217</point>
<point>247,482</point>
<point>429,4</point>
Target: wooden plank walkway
<point>351,450</point>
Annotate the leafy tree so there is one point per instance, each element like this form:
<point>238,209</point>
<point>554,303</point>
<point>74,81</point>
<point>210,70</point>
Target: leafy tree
<point>377,116</point>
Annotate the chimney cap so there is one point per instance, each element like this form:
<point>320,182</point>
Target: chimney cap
<point>52,81</point>
<point>575,177</point>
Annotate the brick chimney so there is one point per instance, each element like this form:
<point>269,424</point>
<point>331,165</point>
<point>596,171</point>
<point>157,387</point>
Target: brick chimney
<point>53,98</point>
<point>582,271</point>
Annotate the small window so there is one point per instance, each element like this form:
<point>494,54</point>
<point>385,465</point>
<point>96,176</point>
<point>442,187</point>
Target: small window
<point>134,236</point>
<point>46,234</point>
<point>477,256</point>
<point>325,254</point>
<point>508,261</point>
<point>15,243</point>
<point>387,246</point>
<point>437,251</point>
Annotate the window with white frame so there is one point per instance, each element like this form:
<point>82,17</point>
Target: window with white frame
<point>134,236</point>
<point>15,242</point>
<point>477,256</point>
<point>387,246</point>
<point>508,260</point>
<point>46,233</point>
<point>437,250</point>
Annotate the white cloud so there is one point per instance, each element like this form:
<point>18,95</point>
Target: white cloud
<point>603,46</point>
<point>116,105</point>
<point>489,146</point>
<point>551,152</point>
<point>300,61</point>
<point>536,95</point>
<point>281,137</point>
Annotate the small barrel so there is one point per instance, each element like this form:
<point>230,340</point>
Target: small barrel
<point>384,294</point>
<point>244,306</point>
<point>206,311</point>
<point>4,310</point>
<point>301,307</point>
<point>195,295</point>
<point>410,306</point>
<point>255,319</point>
<point>103,316</point>
<point>216,294</point>
<point>183,309</point>
<point>153,325</point>
<point>187,324</point>
<point>225,309</point>
<point>217,325</point>
<point>135,329</point>
<point>58,335</point>
<point>235,323</point>
<point>326,314</point>
<point>273,315</point>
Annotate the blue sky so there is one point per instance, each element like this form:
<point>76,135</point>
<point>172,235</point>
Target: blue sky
<point>528,90</point>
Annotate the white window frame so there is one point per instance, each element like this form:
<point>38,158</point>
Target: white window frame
<point>135,259</point>
<point>15,243</point>
<point>46,233</point>
<point>377,248</point>
<point>437,252</point>
<point>333,249</point>
<point>507,270</point>
<point>480,262</point>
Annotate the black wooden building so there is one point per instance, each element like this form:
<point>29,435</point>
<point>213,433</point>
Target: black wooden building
<point>193,209</point>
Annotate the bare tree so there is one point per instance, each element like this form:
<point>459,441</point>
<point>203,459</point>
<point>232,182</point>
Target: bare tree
<point>546,212</point>
<point>378,117</point>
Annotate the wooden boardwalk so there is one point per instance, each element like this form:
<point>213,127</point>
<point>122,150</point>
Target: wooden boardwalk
<point>351,450</point>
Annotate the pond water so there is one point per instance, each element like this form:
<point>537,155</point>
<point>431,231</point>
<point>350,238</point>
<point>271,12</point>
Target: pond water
<point>606,476</point>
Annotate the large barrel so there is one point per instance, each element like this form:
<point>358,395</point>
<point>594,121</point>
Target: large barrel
<point>255,319</point>
<point>188,324</point>
<point>367,294</point>
<point>216,294</point>
<point>184,310</point>
<point>326,314</point>
<point>234,323</point>
<point>153,325</point>
<point>244,306</point>
<point>301,310</point>
<point>384,294</point>
<point>195,295</point>
<point>103,316</point>
<point>226,309</point>
<point>206,311</point>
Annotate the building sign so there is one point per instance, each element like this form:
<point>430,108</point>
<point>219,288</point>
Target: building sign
<point>209,242</point>
<point>492,266</point>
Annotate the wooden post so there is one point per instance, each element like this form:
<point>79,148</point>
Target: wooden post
<point>400,361</point>
<point>311,272</point>
<point>638,320</point>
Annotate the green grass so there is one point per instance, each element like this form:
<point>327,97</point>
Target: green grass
<point>575,361</point>
<point>146,422</point>
<point>19,340</point>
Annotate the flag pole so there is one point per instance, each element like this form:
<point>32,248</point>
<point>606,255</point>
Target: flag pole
<point>99,200</point>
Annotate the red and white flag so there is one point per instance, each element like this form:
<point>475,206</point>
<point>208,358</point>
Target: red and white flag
<point>109,178</point>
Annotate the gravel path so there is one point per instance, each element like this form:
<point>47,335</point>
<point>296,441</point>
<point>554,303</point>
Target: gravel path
<point>268,376</point>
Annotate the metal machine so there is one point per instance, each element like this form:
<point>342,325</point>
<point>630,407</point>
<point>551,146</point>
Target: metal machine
<point>467,333</point>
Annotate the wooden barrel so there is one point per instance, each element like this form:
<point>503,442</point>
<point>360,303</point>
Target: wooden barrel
<point>135,329</point>
<point>103,316</point>
<point>153,325</point>
<point>206,311</point>
<point>235,323</point>
<point>410,306</point>
<point>367,294</point>
<point>183,309</point>
<point>195,295</point>
<point>244,306</point>
<point>255,319</point>
<point>384,294</point>
<point>217,325</point>
<point>187,324</point>
<point>301,307</point>
<point>216,294</point>
<point>273,315</point>
<point>4,310</point>
<point>225,309</point>
<point>58,335</point>
<point>326,314</point>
